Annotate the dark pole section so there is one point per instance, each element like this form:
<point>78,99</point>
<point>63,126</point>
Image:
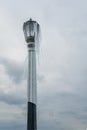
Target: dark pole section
<point>31,117</point>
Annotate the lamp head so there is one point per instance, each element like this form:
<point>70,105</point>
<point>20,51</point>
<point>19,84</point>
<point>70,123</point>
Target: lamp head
<point>30,30</point>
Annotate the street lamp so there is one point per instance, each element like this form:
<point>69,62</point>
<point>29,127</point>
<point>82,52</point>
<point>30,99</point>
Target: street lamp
<point>31,33</point>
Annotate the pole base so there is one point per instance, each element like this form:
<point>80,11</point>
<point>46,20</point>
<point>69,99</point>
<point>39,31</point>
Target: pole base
<point>31,117</point>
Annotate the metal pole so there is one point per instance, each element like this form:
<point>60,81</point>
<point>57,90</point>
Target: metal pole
<point>31,32</point>
<point>31,111</point>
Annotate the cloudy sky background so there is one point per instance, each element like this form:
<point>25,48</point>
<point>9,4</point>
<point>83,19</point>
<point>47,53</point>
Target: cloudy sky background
<point>62,67</point>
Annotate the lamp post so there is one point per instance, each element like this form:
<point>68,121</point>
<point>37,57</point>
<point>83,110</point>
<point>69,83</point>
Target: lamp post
<point>31,30</point>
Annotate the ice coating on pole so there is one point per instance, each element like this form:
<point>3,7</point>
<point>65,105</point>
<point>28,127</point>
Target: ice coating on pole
<point>37,36</point>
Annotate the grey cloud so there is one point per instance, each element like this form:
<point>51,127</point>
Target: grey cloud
<point>14,70</point>
<point>63,105</point>
<point>51,126</point>
<point>12,99</point>
<point>12,125</point>
<point>40,78</point>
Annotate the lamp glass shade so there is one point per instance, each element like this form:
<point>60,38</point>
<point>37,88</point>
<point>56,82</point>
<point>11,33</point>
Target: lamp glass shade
<point>29,30</point>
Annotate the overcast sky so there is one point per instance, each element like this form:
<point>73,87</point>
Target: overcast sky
<point>62,67</point>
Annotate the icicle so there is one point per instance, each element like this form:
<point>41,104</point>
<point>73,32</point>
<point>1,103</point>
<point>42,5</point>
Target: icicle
<point>37,38</point>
